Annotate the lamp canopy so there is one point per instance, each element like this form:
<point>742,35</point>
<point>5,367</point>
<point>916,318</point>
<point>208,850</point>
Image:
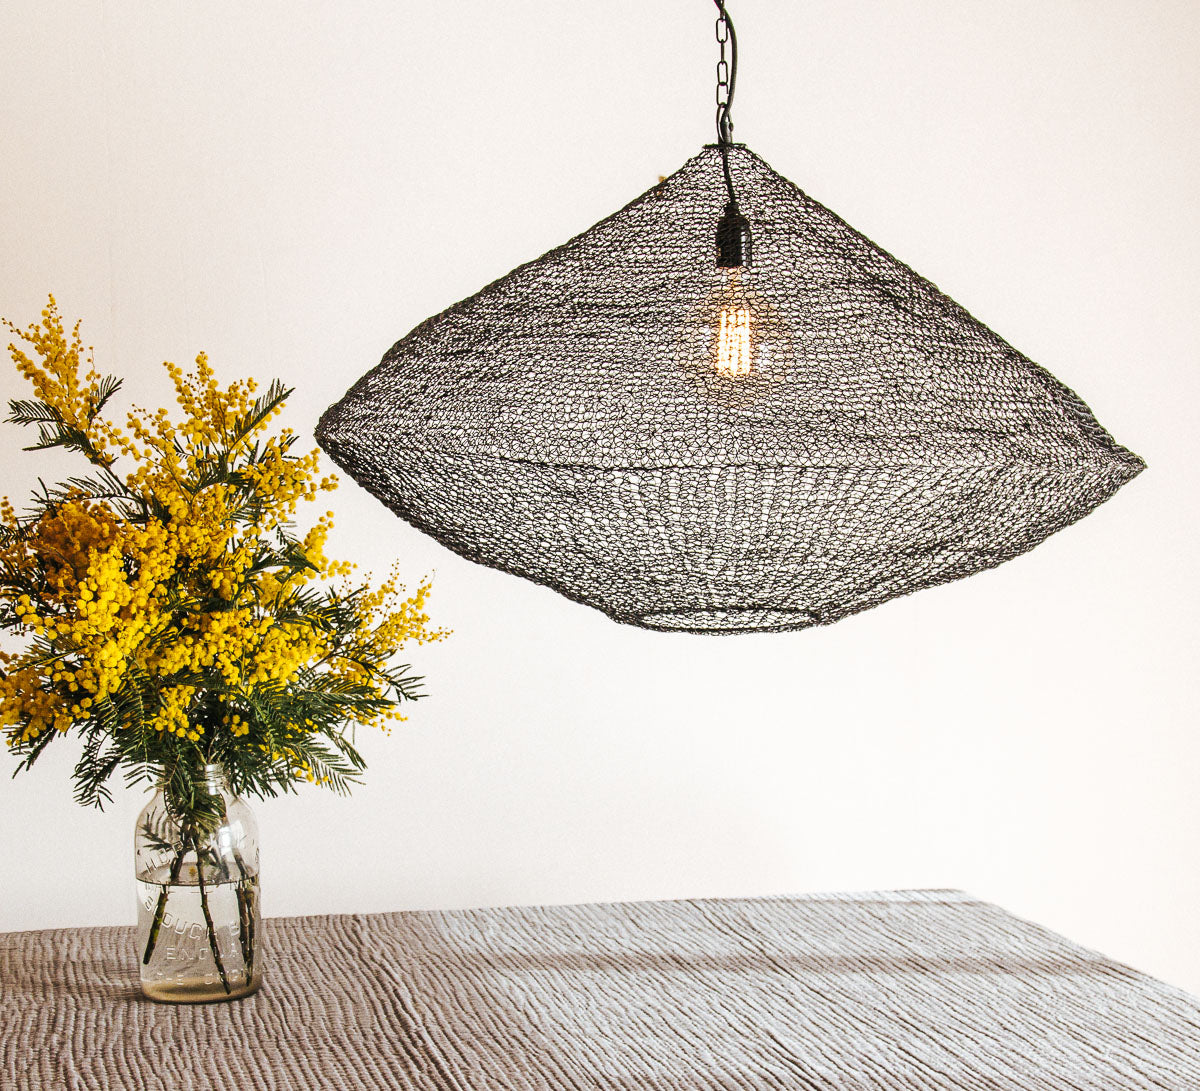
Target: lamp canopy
<point>687,443</point>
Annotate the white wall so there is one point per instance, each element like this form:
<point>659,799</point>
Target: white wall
<point>292,187</point>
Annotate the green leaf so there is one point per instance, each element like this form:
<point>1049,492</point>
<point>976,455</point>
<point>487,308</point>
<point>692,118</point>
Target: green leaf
<point>275,395</point>
<point>32,411</point>
<point>105,389</point>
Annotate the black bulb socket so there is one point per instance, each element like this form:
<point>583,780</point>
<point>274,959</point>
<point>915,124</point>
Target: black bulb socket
<point>733,239</point>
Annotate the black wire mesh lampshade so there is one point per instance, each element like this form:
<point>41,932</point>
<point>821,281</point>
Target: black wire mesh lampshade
<point>689,446</point>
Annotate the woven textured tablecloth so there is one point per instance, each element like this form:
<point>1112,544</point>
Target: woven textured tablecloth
<point>925,990</point>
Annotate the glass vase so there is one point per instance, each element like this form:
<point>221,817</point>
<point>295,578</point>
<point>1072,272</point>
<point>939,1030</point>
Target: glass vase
<point>198,897</point>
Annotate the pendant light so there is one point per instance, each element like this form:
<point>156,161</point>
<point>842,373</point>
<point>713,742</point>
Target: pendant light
<point>722,409</point>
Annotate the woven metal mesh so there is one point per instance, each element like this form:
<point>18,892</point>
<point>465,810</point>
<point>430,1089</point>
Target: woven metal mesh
<point>570,424</point>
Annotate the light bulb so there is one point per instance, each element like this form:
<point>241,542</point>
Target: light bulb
<point>735,344</point>
<point>733,332</point>
<point>733,340</point>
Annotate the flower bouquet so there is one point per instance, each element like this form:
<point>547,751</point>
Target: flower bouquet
<point>163,608</point>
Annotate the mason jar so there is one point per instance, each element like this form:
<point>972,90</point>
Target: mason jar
<point>198,897</point>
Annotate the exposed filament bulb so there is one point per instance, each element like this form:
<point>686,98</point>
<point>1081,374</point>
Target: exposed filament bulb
<point>733,342</point>
<point>732,323</point>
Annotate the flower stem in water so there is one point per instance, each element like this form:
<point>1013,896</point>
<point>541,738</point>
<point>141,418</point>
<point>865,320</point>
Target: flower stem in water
<point>208,921</point>
<point>161,909</point>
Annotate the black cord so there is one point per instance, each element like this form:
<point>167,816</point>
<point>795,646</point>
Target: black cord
<point>733,230</point>
<point>727,80</point>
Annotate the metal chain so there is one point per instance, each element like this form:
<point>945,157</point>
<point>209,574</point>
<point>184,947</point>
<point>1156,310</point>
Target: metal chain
<point>726,73</point>
<point>726,81</point>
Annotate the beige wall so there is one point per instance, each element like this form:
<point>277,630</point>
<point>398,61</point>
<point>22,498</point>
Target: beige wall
<point>293,186</point>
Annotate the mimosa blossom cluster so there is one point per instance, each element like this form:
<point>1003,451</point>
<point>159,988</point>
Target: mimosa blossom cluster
<point>167,598</point>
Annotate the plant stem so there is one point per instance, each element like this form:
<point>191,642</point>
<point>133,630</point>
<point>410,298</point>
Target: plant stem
<point>245,900</point>
<point>161,908</point>
<point>208,922</point>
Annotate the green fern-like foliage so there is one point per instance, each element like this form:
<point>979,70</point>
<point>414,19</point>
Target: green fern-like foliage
<point>164,608</point>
